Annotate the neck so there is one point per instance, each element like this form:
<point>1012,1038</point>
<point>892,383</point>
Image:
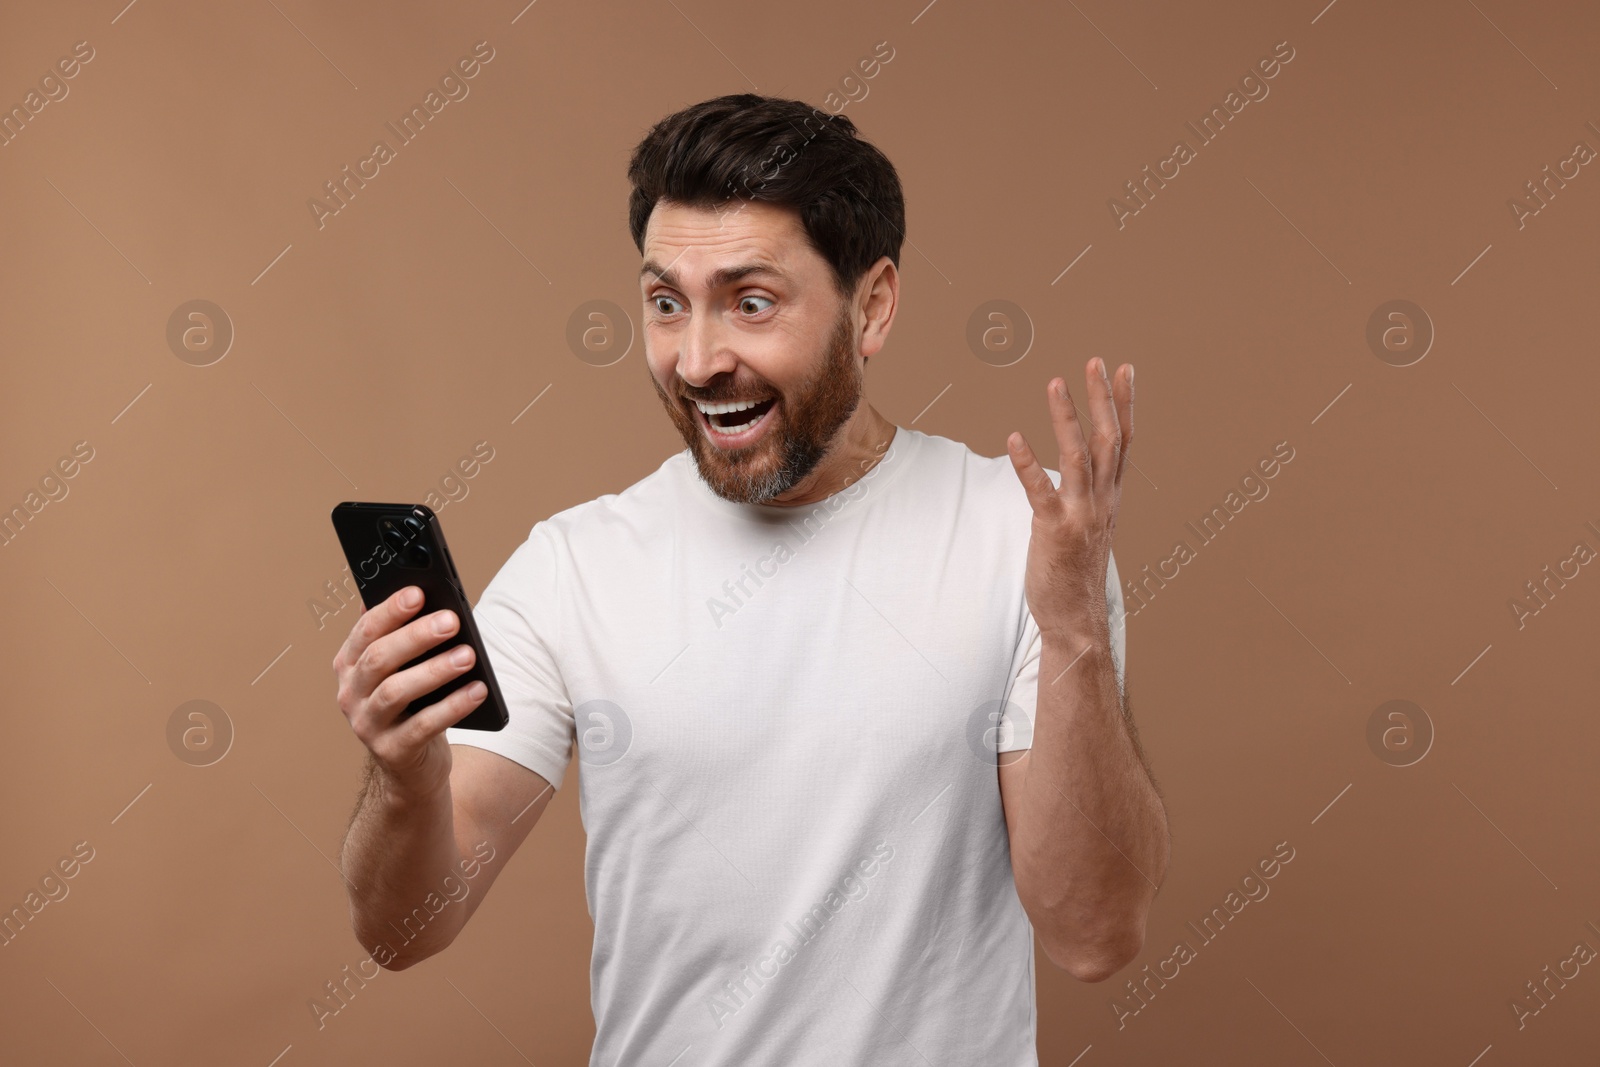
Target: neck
<point>861,444</point>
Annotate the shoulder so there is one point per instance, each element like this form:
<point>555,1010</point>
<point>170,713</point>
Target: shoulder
<point>638,508</point>
<point>988,482</point>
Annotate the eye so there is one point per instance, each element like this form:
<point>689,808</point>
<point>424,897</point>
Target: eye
<point>658,300</point>
<point>744,303</point>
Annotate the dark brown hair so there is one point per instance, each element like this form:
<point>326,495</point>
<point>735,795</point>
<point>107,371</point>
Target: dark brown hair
<point>749,147</point>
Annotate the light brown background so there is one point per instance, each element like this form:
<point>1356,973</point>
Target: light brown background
<point>432,310</point>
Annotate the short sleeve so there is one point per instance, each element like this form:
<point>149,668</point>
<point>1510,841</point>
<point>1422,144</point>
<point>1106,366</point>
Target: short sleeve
<point>1016,718</point>
<point>518,618</point>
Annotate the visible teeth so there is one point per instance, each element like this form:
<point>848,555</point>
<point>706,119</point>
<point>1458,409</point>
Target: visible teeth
<point>730,430</point>
<point>723,409</point>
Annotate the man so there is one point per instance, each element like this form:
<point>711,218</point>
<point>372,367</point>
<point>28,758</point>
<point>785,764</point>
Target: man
<point>847,696</point>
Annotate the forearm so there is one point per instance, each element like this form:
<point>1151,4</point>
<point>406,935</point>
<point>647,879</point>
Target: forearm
<point>1091,845</point>
<point>395,855</point>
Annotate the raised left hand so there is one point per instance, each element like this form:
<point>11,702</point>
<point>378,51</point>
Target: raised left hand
<point>1070,548</point>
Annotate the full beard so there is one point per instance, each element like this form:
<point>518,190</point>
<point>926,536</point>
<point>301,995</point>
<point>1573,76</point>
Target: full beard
<point>803,428</point>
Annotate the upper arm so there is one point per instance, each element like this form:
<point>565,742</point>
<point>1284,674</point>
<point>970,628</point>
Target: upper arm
<point>502,780</point>
<point>519,620</point>
<point>1012,775</point>
<point>496,803</point>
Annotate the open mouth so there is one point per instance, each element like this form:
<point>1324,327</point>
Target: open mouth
<point>739,426</point>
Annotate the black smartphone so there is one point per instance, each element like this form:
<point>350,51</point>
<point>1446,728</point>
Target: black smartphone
<point>391,546</point>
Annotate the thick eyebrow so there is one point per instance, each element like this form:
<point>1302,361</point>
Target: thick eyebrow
<point>721,277</point>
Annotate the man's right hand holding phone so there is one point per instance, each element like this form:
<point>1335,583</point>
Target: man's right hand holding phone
<point>411,756</point>
<point>414,823</point>
<point>402,837</point>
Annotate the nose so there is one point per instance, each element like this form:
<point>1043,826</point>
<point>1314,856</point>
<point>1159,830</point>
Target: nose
<point>704,353</point>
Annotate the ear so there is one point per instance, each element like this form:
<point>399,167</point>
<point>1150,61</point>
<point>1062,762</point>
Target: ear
<point>880,302</point>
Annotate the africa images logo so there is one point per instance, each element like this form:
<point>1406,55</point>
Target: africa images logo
<point>453,86</point>
<point>735,993</point>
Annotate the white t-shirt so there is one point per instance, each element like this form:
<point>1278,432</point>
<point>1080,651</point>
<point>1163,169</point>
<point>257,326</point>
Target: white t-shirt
<point>787,720</point>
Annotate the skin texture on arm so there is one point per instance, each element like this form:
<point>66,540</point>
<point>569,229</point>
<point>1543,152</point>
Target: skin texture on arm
<point>1088,881</point>
<point>400,849</point>
<point>1087,827</point>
